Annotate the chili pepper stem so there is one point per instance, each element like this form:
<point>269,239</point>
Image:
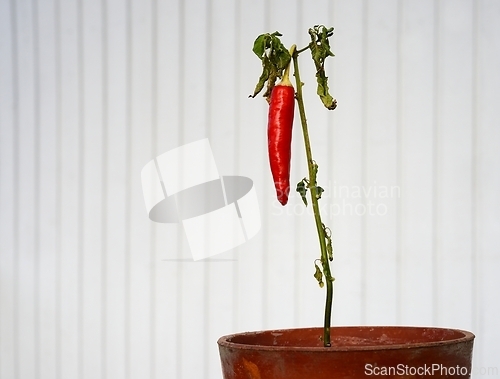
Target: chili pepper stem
<point>314,199</point>
<point>285,79</point>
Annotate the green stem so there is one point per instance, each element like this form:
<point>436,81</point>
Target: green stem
<point>303,49</point>
<point>314,200</point>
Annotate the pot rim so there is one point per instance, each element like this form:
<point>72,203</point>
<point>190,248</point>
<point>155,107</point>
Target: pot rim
<point>225,341</point>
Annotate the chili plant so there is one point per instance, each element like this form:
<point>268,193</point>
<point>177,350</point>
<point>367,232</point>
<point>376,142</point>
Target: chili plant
<point>276,62</point>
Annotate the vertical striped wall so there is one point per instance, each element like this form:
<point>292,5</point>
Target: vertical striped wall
<point>90,91</point>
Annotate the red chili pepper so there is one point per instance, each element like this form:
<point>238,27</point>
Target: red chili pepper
<point>279,135</point>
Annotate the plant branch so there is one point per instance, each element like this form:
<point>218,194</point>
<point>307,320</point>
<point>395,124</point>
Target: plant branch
<point>315,194</point>
<point>298,51</point>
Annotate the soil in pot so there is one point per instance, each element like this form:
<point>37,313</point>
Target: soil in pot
<point>356,352</point>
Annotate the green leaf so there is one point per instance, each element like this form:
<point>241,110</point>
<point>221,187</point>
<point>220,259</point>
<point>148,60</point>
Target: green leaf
<point>275,58</point>
<point>302,190</point>
<point>259,46</point>
<point>279,54</point>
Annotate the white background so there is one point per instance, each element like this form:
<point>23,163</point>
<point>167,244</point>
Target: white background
<point>90,91</point>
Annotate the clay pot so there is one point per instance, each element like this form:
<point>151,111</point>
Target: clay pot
<point>356,352</point>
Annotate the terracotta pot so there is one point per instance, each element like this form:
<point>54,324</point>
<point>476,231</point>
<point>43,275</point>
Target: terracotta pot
<point>356,352</point>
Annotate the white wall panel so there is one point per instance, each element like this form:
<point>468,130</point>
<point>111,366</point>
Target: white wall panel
<point>116,120</point>
<point>8,192</point>
<point>71,154</point>
<point>380,162</point>
<point>417,109</point>
<point>453,175</point>
<point>27,207</point>
<point>92,189</point>
<point>194,79</point>
<point>166,116</point>
<point>347,145</point>
<point>485,203</point>
<point>139,233</point>
<point>90,91</point>
<point>49,193</point>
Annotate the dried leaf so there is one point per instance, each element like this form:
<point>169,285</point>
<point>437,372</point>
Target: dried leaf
<point>302,190</point>
<point>320,50</point>
<point>318,275</point>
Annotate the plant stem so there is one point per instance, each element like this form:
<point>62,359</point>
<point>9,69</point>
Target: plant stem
<point>312,168</point>
<point>303,49</point>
